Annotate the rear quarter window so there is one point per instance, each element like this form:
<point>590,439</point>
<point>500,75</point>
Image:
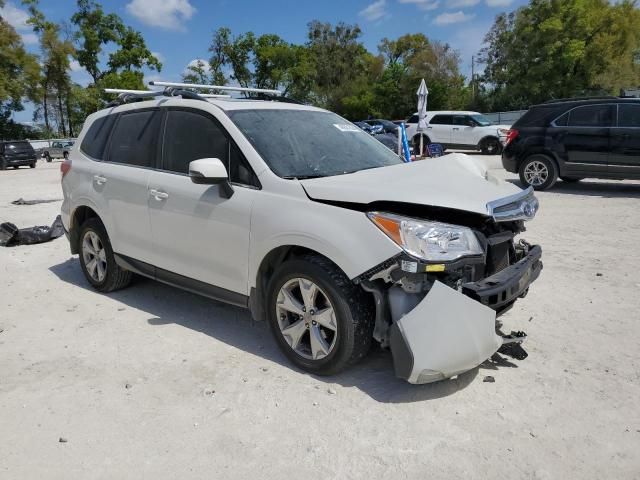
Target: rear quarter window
<point>539,116</point>
<point>95,140</point>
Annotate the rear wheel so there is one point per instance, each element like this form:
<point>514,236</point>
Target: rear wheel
<point>47,157</point>
<point>539,172</point>
<point>571,179</point>
<point>321,321</point>
<point>491,146</point>
<point>32,165</point>
<point>97,260</point>
<point>3,164</point>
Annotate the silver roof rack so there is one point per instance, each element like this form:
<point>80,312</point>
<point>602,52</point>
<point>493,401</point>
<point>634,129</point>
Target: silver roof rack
<point>216,87</point>
<point>156,93</point>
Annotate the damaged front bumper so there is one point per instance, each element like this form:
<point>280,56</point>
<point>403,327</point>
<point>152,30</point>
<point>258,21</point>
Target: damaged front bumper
<point>450,332</point>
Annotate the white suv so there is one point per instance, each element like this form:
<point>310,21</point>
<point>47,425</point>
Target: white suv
<point>463,130</point>
<point>312,224</point>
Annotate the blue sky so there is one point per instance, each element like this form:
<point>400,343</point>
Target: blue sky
<point>179,31</point>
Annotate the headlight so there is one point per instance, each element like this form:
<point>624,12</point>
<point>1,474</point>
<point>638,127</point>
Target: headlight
<point>431,241</point>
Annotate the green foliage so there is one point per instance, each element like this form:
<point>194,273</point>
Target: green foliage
<point>555,49</point>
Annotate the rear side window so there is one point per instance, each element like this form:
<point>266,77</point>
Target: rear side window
<point>135,139</point>
<point>629,115</point>
<point>539,116</point>
<point>17,147</point>
<point>95,140</point>
<point>190,136</point>
<point>442,120</point>
<point>413,119</point>
<point>590,116</point>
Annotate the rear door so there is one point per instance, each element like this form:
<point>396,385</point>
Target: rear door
<point>197,232</point>
<point>120,182</point>
<point>439,128</point>
<point>624,160</point>
<point>581,139</point>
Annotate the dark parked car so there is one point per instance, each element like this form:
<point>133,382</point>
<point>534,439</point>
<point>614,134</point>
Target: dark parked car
<point>387,125</point>
<point>387,139</point>
<point>16,153</point>
<point>574,139</point>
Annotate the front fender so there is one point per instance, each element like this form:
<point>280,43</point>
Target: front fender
<point>346,237</point>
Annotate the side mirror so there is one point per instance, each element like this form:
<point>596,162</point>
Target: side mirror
<point>211,171</point>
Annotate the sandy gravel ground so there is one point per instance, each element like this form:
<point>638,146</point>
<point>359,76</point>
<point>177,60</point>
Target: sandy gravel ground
<point>152,382</point>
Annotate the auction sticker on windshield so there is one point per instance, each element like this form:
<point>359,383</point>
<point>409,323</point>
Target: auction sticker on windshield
<point>344,127</point>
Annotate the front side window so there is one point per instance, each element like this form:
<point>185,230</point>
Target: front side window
<point>590,116</point>
<point>190,136</point>
<point>306,144</point>
<point>629,115</point>
<point>481,120</point>
<point>135,139</point>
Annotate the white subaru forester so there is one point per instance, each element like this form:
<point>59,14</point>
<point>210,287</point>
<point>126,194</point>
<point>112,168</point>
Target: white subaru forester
<point>312,224</point>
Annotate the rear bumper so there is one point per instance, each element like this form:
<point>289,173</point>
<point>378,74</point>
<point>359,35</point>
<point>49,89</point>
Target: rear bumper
<point>20,161</point>
<point>450,332</point>
<point>509,161</point>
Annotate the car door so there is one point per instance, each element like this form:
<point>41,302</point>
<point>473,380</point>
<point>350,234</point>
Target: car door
<point>198,232</point>
<point>581,139</point>
<point>439,129</point>
<point>119,182</point>
<point>462,133</point>
<point>624,160</point>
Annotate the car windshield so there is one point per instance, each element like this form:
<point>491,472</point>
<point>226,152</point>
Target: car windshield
<point>481,120</point>
<point>308,144</point>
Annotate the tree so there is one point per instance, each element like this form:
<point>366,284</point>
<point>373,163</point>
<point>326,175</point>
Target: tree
<point>19,72</point>
<point>554,49</point>
<point>97,30</point>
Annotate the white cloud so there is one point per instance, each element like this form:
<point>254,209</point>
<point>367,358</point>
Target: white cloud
<point>29,38</point>
<point>168,14</point>
<point>423,4</point>
<point>197,62</point>
<point>375,11</point>
<point>462,3</point>
<point>159,56</point>
<point>499,3</point>
<point>453,17</point>
<point>17,18</point>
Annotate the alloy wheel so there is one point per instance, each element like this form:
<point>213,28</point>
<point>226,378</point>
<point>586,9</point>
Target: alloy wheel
<point>306,319</point>
<point>94,256</point>
<point>536,173</point>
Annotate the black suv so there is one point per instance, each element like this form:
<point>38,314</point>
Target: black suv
<point>16,153</point>
<point>575,139</point>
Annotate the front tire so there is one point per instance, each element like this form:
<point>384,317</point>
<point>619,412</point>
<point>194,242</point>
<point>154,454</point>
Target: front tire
<point>97,260</point>
<point>539,172</point>
<point>321,321</point>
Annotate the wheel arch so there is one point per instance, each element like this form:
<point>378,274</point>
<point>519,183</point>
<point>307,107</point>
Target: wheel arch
<point>80,215</point>
<point>266,269</point>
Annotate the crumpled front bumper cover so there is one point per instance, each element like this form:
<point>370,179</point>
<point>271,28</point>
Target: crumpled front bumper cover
<point>450,332</point>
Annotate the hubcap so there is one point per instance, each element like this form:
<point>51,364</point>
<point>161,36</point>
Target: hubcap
<point>94,256</point>
<point>536,173</point>
<point>306,319</point>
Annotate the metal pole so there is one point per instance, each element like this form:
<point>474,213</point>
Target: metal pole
<point>399,140</point>
<point>421,144</point>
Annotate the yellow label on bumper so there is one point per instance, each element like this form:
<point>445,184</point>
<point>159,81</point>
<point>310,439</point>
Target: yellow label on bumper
<point>435,268</point>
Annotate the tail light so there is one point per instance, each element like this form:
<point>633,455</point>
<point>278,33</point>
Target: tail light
<point>511,136</point>
<point>65,167</point>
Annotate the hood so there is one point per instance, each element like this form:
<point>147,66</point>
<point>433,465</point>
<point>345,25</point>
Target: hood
<point>451,181</point>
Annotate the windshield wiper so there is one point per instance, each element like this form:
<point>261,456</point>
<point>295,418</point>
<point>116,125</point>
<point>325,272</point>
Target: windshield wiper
<point>302,177</point>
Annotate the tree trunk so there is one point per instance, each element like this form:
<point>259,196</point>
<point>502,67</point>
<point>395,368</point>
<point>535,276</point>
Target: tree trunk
<point>45,107</point>
<point>64,129</point>
<point>69,115</point>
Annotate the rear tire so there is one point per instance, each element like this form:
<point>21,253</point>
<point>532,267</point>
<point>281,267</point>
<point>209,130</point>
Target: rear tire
<point>491,146</point>
<point>97,260</point>
<point>32,165</point>
<point>538,171</point>
<point>3,164</point>
<point>47,157</point>
<point>66,155</point>
<point>343,340</point>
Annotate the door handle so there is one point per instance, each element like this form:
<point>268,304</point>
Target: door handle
<point>158,195</point>
<point>99,179</point>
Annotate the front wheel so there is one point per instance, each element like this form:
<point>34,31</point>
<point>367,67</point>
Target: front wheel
<point>97,260</point>
<point>539,172</point>
<point>321,321</point>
